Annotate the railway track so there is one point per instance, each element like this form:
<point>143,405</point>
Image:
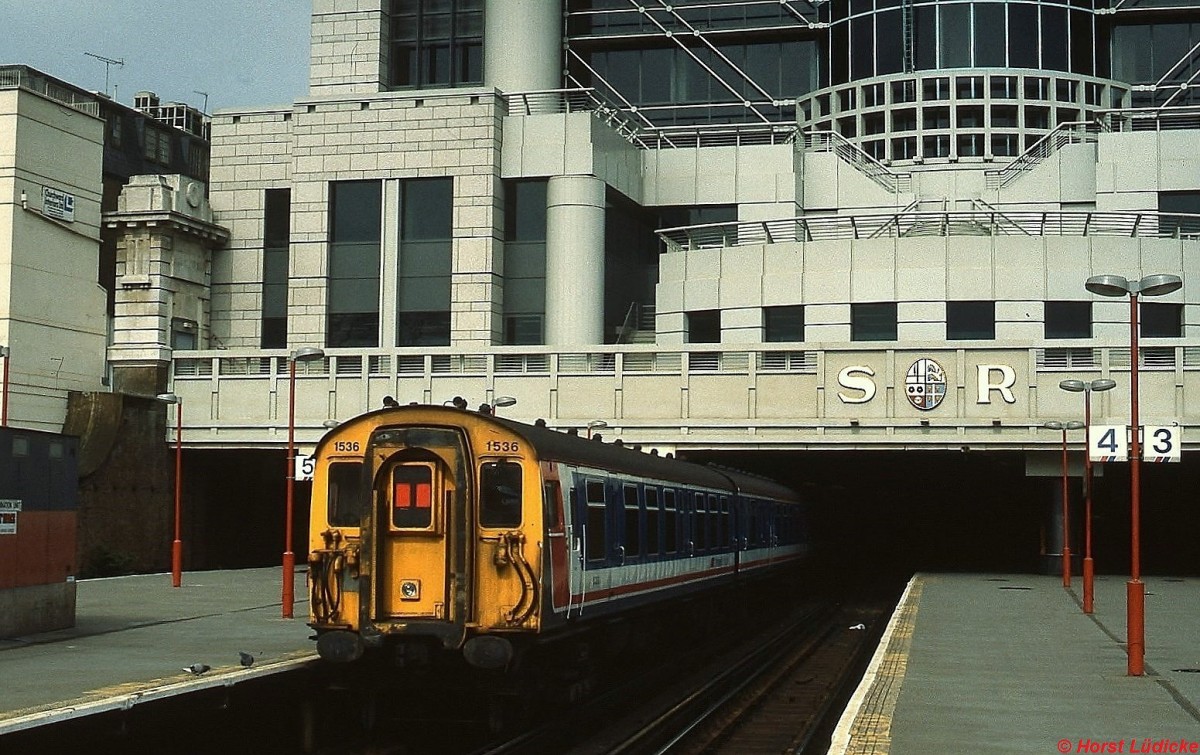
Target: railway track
<point>775,692</point>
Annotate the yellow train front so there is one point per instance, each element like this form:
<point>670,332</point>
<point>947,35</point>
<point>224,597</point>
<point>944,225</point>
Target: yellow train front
<point>423,533</point>
<point>435,529</point>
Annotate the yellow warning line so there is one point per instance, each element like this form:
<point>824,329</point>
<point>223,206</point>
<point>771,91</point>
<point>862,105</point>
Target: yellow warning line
<point>866,726</point>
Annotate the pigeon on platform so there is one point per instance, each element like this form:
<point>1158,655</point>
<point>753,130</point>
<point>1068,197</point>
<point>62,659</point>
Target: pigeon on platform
<point>245,659</point>
<point>197,668</point>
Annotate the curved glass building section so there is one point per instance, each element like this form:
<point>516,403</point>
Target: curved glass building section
<point>922,73</point>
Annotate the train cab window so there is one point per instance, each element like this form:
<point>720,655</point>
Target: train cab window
<point>595,534</point>
<point>412,496</point>
<point>671,523</point>
<point>500,494</point>
<point>345,493</point>
<point>633,523</point>
<point>653,516</point>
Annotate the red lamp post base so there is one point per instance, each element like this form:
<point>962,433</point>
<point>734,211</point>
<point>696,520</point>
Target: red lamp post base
<point>289,583</point>
<point>1089,576</point>
<point>1066,565</point>
<point>1135,626</point>
<point>176,563</point>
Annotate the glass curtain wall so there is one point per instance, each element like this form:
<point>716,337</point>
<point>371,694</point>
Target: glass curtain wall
<point>426,259</point>
<point>354,247</point>
<point>435,42</point>
<point>276,242</point>
<point>525,262</point>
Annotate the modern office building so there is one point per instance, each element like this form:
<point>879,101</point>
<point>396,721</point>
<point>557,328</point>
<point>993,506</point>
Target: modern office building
<point>850,229</point>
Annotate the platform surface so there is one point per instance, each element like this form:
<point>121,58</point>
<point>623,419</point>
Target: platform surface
<point>134,635</point>
<point>1010,664</point>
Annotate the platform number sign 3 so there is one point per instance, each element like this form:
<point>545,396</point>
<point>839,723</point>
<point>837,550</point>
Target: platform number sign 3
<point>1108,443</point>
<point>1161,443</point>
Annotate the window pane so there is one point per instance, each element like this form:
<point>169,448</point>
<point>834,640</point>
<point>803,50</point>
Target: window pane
<point>1068,319</point>
<point>500,494</point>
<point>783,323</point>
<point>1160,319</point>
<point>704,326</point>
<point>345,494</point>
<point>971,320</point>
<point>633,539</point>
<point>412,496</point>
<point>874,321</point>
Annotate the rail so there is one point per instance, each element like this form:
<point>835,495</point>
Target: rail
<point>22,77</point>
<point>1075,132</point>
<point>625,121</point>
<point>831,141</point>
<point>981,221</point>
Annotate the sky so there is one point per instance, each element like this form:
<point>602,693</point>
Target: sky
<point>243,53</point>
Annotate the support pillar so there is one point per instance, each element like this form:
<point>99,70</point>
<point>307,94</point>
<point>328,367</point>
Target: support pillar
<point>522,45</point>
<point>574,261</point>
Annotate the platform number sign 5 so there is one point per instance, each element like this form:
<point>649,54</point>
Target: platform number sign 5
<point>1108,443</point>
<point>1161,443</point>
<point>304,466</point>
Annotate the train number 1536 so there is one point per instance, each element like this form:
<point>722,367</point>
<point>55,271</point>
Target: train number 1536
<point>345,445</point>
<point>504,446</point>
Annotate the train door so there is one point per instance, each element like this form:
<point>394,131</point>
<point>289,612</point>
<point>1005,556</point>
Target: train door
<point>556,535</point>
<point>420,523</point>
<point>591,540</point>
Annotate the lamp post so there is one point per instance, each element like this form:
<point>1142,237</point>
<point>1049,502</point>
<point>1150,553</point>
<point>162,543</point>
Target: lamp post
<point>1135,592</point>
<point>1089,569</point>
<point>1066,509</point>
<point>289,558</point>
<point>177,543</point>
<point>595,424</point>
<point>5,352</point>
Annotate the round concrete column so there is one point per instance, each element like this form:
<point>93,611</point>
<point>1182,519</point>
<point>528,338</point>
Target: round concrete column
<point>522,44</point>
<point>574,261</point>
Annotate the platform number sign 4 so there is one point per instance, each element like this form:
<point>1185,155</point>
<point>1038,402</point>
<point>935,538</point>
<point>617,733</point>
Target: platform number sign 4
<point>1161,443</point>
<point>1108,443</point>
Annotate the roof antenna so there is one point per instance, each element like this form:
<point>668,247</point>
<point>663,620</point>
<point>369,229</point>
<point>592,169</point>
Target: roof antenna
<point>108,64</point>
<point>203,109</point>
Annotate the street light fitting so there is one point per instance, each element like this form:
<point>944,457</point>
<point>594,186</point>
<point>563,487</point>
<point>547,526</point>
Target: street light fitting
<point>168,398</point>
<point>1157,284</point>
<point>502,401</point>
<point>1103,384</point>
<point>305,353</point>
<point>1082,386</point>
<point>1056,425</point>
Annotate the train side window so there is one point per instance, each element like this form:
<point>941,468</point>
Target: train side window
<point>633,523</point>
<point>700,523</point>
<point>714,522</point>
<point>500,494</point>
<point>597,547</point>
<point>412,496</point>
<point>723,523</point>
<point>551,494</point>
<point>653,515</point>
<point>671,525</point>
<point>345,494</point>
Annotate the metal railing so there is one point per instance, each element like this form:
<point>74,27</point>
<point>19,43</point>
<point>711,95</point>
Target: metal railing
<point>909,224</point>
<point>21,77</point>
<point>1075,132</point>
<point>831,141</point>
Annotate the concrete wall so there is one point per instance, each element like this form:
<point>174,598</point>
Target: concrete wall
<point>51,306</point>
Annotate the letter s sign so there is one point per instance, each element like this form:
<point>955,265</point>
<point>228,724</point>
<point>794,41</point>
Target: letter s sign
<point>857,379</point>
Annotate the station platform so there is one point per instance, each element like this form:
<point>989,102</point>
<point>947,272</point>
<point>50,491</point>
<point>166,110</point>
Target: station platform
<point>1010,664</point>
<point>134,635</point>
